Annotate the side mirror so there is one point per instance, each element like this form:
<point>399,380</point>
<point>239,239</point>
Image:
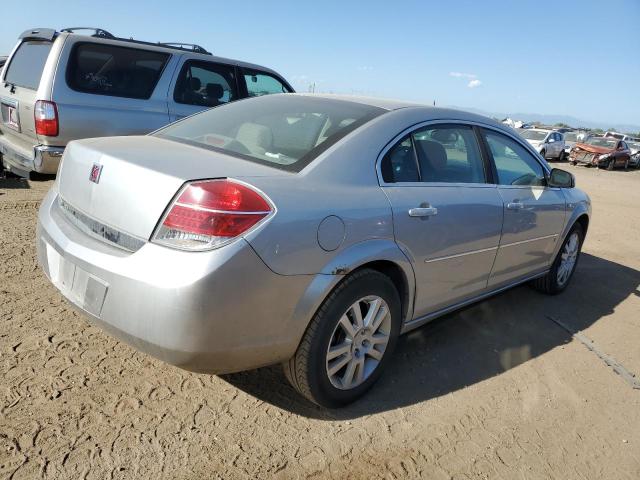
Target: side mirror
<point>561,179</point>
<point>551,140</point>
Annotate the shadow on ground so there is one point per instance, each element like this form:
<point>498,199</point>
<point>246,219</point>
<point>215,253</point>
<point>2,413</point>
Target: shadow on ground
<point>469,346</point>
<point>13,183</point>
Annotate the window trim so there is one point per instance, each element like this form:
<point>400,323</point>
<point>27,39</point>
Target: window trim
<point>478,126</point>
<point>249,71</point>
<point>71,61</point>
<point>187,63</point>
<point>488,172</point>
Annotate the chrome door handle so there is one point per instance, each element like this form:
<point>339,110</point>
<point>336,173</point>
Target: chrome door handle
<point>515,206</point>
<point>423,212</point>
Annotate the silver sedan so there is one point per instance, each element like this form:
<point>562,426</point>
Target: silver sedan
<point>304,230</point>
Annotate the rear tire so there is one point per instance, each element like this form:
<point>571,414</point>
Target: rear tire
<point>329,379</point>
<point>559,276</point>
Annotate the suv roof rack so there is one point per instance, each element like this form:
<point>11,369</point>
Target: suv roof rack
<point>102,33</point>
<point>192,47</point>
<point>97,32</point>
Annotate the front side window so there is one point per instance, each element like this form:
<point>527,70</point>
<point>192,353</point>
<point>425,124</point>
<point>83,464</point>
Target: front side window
<point>259,83</point>
<point>115,71</point>
<point>205,84</point>
<point>27,64</point>
<point>514,164</point>
<point>435,154</point>
<point>283,131</point>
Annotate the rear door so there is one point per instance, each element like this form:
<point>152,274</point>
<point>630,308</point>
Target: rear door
<point>19,89</point>
<point>447,216</point>
<point>534,214</point>
<point>201,84</point>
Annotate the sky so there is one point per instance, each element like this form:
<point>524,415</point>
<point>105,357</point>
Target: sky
<point>567,57</point>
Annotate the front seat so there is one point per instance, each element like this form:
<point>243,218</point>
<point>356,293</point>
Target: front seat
<point>214,93</point>
<point>432,158</point>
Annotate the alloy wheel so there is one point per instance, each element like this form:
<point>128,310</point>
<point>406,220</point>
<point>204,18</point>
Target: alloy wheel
<point>568,259</point>
<point>358,342</point>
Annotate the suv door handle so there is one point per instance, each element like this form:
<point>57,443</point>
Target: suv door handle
<point>423,212</point>
<point>515,206</point>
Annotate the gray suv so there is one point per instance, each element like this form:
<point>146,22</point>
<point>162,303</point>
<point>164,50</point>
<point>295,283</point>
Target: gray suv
<point>62,86</point>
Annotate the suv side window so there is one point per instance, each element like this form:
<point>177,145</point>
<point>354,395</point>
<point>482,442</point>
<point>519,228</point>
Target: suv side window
<point>205,84</point>
<point>261,83</point>
<point>514,164</point>
<point>116,71</point>
<point>437,153</point>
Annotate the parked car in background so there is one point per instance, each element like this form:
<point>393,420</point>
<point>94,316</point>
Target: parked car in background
<point>634,148</point>
<point>549,143</point>
<point>621,136</point>
<point>301,229</point>
<point>63,86</point>
<point>601,152</point>
<point>571,138</point>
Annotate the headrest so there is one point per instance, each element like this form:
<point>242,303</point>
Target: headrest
<point>195,83</point>
<point>431,155</point>
<point>214,90</point>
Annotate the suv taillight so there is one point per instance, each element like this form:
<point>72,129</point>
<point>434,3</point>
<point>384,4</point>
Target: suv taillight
<point>210,213</point>
<point>45,114</point>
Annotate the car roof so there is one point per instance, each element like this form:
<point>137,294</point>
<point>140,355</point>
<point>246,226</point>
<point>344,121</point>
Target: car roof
<point>159,47</point>
<point>431,112</point>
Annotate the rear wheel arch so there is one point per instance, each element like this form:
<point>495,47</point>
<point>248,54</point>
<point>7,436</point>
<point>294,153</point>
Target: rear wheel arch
<point>397,276</point>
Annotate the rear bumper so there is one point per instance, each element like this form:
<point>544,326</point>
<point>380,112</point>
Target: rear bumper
<point>216,312</point>
<point>20,160</point>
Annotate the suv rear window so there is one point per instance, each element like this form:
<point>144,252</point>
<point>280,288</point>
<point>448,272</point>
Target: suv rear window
<point>282,131</point>
<point>27,64</point>
<point>115,71</point>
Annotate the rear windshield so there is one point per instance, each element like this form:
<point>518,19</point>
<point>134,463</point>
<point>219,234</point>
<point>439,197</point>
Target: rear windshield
<point>115,71</point>
<point>27,64</point>
<point>283,131</point>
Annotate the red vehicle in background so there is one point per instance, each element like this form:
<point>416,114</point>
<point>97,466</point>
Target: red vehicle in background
<point>601,152</point>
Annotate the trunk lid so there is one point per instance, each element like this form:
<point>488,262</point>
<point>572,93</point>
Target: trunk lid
<point>139,176</point>
<point>19,89</point>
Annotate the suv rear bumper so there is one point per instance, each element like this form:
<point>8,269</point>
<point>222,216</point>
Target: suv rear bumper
<point>21,161</point>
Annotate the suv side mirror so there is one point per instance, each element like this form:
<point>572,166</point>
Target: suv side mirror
<point>561,179</point>
<point>551,140</point>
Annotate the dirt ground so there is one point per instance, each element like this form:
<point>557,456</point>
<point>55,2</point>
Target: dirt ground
<point>495,391</point>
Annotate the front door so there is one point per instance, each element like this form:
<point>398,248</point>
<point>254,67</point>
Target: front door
<point>201,85</point>
<point>447,218</point>
<point>534,214</point>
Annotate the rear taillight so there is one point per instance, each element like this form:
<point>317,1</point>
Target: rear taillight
<point>209,213</point>
<point>45,114</point>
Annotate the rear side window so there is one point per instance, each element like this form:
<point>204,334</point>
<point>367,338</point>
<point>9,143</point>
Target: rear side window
<point>205,84</point>
<point>115,71</point>
<point>439,153</point>
<point>260,83</point>
<point>27,64</point>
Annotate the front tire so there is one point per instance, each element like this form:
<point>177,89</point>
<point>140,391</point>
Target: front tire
<point>611,164</point>
<point>348,342</point>
<point>558,277</point>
